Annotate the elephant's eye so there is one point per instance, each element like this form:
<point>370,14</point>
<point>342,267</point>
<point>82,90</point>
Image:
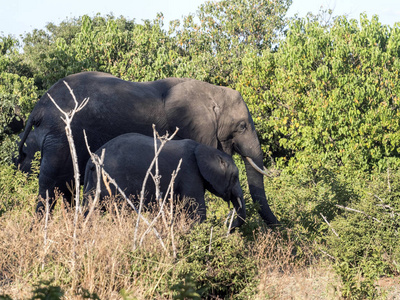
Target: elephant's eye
<point>241,127</point>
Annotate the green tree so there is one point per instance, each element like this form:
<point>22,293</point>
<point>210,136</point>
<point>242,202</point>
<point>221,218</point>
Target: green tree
<point>225,32</point>
<point>17,96</point>
<point>329,97</point>
<point>114,45</point>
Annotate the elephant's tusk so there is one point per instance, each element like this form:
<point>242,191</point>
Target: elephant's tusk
<point>239,201</point>
<point>252,163</point>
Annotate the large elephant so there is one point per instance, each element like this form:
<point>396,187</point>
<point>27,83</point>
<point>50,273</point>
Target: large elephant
<point>128,157</point>
<point>212,115</point>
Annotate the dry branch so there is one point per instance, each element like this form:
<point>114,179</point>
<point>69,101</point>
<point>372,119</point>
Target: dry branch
<point>68,117</point>
<point>358,211</point>
<point>163,140</point>
<point>326,221</point>
<point>98,162</point>
<point>46,221</point>
<point>211,236</point>
<point>169,194</point>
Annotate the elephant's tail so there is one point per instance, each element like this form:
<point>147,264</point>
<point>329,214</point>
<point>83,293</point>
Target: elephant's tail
<point>28,128</point>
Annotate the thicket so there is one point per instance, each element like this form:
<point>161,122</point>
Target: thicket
<point>324,96</point>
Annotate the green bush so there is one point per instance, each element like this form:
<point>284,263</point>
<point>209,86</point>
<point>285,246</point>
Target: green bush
<point>219,265</point>
<point>19,189</point>
<point>131,51</point>
<point>365,246</point>
<point>329,96</point>
<point>17,97</point>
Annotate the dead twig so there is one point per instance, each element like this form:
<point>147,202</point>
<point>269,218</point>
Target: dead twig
<point>171,213</point>
<point>68,117</point>
<point>46,221</point>
<point>211,236</point>
<point>162,204</point>
<point>358,211</point>
<point>163,140</point>
<point>98,162</point>
<point>326,221</point>
<point>327,254</point>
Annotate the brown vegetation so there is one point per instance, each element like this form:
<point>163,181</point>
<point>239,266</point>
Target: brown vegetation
<point>106,263</point>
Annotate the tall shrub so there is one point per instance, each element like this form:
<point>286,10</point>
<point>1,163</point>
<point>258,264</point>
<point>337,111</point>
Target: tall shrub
<point>329,96</point>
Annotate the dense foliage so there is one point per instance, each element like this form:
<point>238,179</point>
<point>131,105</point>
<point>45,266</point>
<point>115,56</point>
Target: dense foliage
<point>324,96</point>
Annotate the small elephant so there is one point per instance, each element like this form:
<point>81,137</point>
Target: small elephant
<point>128,157</point>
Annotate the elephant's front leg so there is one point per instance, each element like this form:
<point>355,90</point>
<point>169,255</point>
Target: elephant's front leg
<point>54,175</point>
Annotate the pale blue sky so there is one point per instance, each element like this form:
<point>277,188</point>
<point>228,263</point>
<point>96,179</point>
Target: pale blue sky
<point>20,16</point>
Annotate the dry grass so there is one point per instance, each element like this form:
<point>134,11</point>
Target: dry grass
<point>312,282</point>
<point>106,263</point>
<point>104,255</point>
<point>288,270</point>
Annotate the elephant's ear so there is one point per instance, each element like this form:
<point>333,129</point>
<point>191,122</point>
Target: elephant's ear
<point>190,106</point>
<point>213,167</point>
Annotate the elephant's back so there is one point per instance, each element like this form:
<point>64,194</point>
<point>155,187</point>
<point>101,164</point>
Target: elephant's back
<point>114,106</point>
<point>139,149</point>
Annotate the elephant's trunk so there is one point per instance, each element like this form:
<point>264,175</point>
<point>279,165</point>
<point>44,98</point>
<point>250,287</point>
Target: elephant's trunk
<point>256,186</point>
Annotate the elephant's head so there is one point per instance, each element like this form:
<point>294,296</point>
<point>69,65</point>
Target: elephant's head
<point>27,153</point>
<point>218,117</point>
<point>221,177</point>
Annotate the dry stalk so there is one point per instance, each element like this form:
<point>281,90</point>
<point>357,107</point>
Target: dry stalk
<point>385,206</point>
<point>358,211</point>
<point>118,216</point>
<point>98,162</point>
<point>170,194</point>
<point>68,117</point>
<point>157,177</point>
<point>326,221</point>
<point>46,221</point>
<point>171,214</point>
<point>163,140</point>
<point>211,235</point>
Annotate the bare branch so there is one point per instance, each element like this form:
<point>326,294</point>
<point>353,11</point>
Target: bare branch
<point>171,187</point>
<point>327,254</point>
<point>141,199</point>
<point>162,204</point>
<point>211,236</point>
<point>68,131</point>
<point>98,162</point>
<point>326,221</point>
<point>83,103</point>
<point>45,227</point>
<point>358,211</point>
